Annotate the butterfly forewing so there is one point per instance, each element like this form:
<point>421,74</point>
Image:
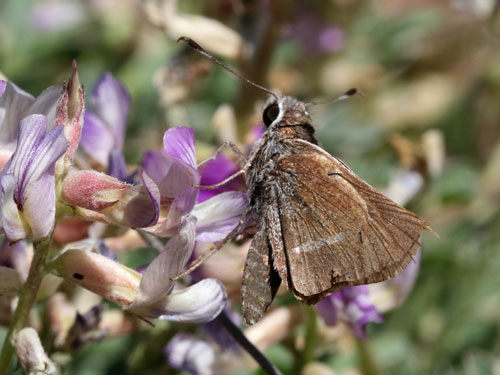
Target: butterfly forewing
<point>336,229</point>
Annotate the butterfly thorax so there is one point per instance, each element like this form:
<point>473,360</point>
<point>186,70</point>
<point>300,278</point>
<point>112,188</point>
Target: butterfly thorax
<point>293,122</point>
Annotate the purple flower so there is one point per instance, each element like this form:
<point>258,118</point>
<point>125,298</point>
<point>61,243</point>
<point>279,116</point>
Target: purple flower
<point>2,87</point>
<point>104,130</point>
<point>187,353</point>
<point>27,182</point>
<point>351,305</point>
<point>218,170</point>
<point>170,176</point>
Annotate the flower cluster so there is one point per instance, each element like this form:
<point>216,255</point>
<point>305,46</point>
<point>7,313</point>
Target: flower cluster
<point>60,166</point>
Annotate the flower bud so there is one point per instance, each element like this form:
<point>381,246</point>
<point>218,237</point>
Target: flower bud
<point>31,354</point>
<point>93,190</point>
<point>70,109</point>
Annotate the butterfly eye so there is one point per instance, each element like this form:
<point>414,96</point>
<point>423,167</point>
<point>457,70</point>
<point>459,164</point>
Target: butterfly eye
<point>270,114</point>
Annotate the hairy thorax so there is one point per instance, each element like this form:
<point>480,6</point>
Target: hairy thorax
<point>261,168</point>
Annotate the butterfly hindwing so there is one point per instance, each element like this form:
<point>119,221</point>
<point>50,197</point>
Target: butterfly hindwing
<point>260,280</point>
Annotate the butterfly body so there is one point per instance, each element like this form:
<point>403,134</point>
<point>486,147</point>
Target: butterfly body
<point>320,227</point>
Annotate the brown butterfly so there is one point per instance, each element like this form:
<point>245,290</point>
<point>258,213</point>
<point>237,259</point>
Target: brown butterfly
<point>320,227</point>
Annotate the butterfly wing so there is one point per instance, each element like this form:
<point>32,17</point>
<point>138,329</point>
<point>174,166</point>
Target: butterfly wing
<point>336,230</point>
<point>260,280</point>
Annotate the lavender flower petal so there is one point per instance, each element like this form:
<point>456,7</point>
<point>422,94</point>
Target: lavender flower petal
<point>199,303</point>
<point>181,205</point>
<point>112,101</point>
<point>219,215</point>
<point>171,176</point>
<point>179,143</point>
<point>360,310</point>
<point>216,171</point>
<point>154,193</point>
<point>97,141</point>
<point>329,308</point>
<point>173,181</point>
<point>36,157</point>
<point>2,87</point>
<point>45,104</point>
<point>13,103</point>
<point>352,305</point>
<point>186,353</point>
<point>156,281</point>
<point>140,211</point>
<point>117,167</point>
<point>11,221</point>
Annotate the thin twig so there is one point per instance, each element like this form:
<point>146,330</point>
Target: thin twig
<point>240,337</point>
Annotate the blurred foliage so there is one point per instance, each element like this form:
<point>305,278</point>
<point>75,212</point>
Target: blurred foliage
<point>420,64</point>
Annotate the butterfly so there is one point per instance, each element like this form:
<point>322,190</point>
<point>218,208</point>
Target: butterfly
<point>320,227</point>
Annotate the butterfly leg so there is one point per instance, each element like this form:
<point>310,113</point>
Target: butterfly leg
<point>222,183</point>
<point>239,154</point>
<point>200,259</point>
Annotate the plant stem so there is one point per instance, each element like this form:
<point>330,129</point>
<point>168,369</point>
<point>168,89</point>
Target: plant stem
<point>256,68</point>
<point>310,339</point>
<point>311,335</point>
<point>367,362</point>
<point>240,337</point>
<point>27,298</point>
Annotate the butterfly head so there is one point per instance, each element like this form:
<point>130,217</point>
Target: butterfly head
<point>286,111</point>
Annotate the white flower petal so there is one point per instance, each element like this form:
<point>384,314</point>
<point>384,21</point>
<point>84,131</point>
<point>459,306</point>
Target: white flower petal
<point>199,303</point>
<point>218,215</point>
<point>12,223</point>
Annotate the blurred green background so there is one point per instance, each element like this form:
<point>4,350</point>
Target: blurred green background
<point>421,65</point>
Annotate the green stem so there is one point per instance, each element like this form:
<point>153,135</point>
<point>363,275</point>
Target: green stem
<point>367,362</point>
<point>310,339</point>
<point>27,298</point>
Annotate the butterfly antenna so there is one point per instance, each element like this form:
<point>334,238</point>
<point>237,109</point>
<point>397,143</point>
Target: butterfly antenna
<point>192,44</point>
<point>345,95</point>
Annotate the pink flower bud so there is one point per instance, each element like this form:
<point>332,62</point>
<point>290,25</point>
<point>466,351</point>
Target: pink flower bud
<point>93,190</point>
<point>70,109</point>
